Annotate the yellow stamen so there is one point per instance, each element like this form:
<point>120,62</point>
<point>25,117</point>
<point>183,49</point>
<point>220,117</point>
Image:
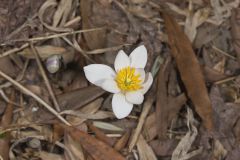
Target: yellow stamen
<point>128,80</point>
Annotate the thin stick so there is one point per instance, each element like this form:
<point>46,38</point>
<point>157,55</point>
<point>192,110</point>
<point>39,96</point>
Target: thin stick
<point>47,106</point>
<point>49,87</point>
<point>58,35</point>
<point>225,80</point>
<point>146,108</point>
<point>224,53</point>
<point>14,50</point>
<point>78,48</point>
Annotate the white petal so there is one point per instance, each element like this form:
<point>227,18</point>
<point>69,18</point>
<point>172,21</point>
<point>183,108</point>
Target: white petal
<point>146,85</point>
<point>97,73</point>
<point>110,85</point>
<point>121,108</point>
<point>138,57</point>
<point>135,97</point>
<point>122,60</point>
<point>142,73</point>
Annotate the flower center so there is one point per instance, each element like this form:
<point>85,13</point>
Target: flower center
<point>128,80</point>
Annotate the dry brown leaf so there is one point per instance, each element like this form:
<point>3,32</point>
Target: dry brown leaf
<point>235,31</point>
<point>74,147</point>
<point>144,150</point>
<point>62,13</point>
<point>189,69</point>
<point>222,10</point>
<point>167,106</point>
<point>107,126</point>
<point>5,122</point>
<point>101,136</point>
<point>182,151</point>
<point>194,19</point>
<point>41,13</point>
<point>78,98</point>
<point>219,151</point>
<point>150,127</point>
<point>164,147</point>
<point>7,66</point>
<point>97,149</point>
<point>121,143</point>
<point>97,39</point>
<point>46,51</point>
<point>50,156</point>
<point>90,108</point>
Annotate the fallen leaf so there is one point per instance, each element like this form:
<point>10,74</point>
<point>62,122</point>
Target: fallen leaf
<point>145,151</point>
<point>150,127</point>
<point>75,148</point>
<point>189,69</point>
<point>164,147</point>
<point>183,150</point>
<point>121,143</point>
<point>167,106</point>
<point>5,138</point>
<point>46,51</point>
<point>96,39</point>
<point>107,126</point>
<point>100,135</point>
<point>235,31</point>
<point>97,149</point>
<point>49,156</point>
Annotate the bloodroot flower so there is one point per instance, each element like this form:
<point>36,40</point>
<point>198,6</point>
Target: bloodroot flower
<point>128,82</point>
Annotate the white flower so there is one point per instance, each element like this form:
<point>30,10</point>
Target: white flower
<point>128,82</point>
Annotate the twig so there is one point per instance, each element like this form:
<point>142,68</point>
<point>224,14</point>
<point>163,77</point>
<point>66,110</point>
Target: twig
<point>47,106</point>
<point>225,80</point>
<point>49,87</point>
<point>146,108</point>
<point>58,35</point>
<point>14,50</point>
<point>4,96</point>
<point>79,49</point>
<point>224,53</point>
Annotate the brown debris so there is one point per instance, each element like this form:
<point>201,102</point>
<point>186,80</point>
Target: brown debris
<point>97,149</point>
<point>6,120</point>
<point>235,31</point>
<point>79,32</point>
<point>189,69</point>
<point>167,107</point>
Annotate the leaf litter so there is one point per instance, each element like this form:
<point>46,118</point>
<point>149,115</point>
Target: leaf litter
<point>191,111</point>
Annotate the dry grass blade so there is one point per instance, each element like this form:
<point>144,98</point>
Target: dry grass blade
<point>146,108</point>
<point>49,87</point>
<point>47,106</point>
<point>189,69</point>
<point>97,149</point>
